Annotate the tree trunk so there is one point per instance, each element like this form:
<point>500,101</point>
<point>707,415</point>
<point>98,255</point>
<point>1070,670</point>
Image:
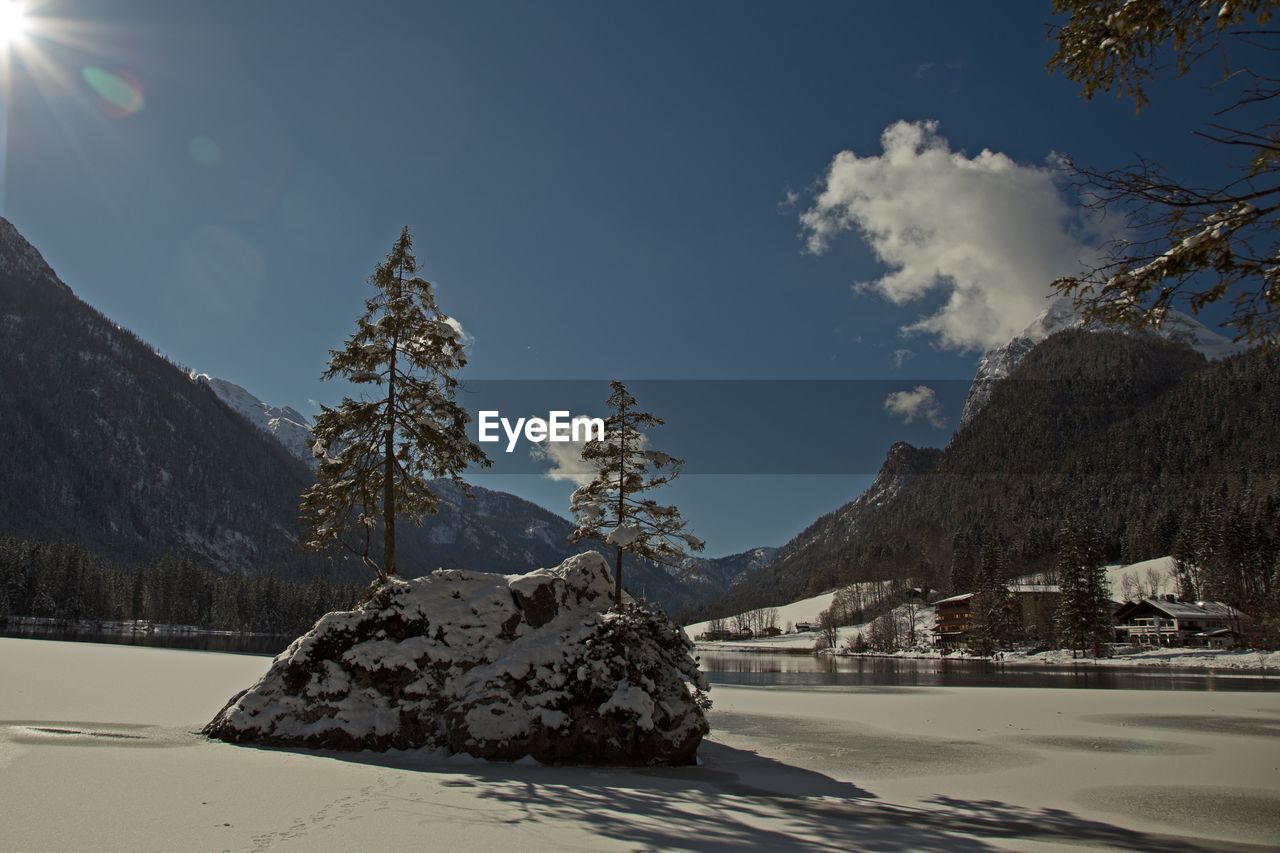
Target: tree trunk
<point>389,507</point>
<point>617,575</point>
<point>622,506</point>
<point>388,480</point>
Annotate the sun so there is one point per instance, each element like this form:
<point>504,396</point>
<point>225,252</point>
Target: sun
<point>13,21</point>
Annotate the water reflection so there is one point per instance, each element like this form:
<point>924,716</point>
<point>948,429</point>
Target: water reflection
<point>245,644</point>
<point>771,670</point>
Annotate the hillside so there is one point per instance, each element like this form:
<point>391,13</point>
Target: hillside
<point>997,364</point>
<point>1133,433</point>
<point>822,541</point>
<point>111,447</point>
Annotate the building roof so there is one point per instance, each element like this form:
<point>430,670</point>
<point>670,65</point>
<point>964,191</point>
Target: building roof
<point>1015,588</point>
<point>1190,609</point>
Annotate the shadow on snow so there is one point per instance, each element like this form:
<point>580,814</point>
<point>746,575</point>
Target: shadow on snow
<point>737,799</point>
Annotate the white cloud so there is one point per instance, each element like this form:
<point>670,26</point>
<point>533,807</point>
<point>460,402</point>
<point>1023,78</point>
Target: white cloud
<point>920,402</point>
<point>985,232</point>
<point>923,69</point>
<point>900,357</point>
<point>565,458</point>
<point>467,339</point>
<point>566,461</point>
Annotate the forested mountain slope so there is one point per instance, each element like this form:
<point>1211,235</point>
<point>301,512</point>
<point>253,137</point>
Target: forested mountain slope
<point>1133,433</point>
<point>114,449</point>
<point>110,446</point>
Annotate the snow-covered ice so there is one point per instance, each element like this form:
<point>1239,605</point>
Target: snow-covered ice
<point>97,751</point>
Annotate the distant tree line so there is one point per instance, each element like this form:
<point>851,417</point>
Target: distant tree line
<point>58,580</point>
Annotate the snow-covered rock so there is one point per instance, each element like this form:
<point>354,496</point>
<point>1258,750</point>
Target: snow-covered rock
<point>499,667</point>
<point>998,363</point>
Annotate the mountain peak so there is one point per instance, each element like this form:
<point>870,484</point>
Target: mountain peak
<point>1061,315</point>
<point>21,259</point>
<point>285,423</point>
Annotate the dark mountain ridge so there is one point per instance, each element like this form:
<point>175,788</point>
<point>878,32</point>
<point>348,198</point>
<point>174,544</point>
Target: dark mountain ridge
<point>114,448</point>
<point>1133,433</point>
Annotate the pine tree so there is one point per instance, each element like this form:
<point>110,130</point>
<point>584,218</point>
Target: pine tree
<point>613,506</point>
<point>996,619</point>
<point>963,562</point>
<point>379,454</point>
<point>1083,618</point>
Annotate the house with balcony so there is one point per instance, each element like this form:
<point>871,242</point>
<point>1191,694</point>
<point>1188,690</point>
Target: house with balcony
<point>1166,621</point>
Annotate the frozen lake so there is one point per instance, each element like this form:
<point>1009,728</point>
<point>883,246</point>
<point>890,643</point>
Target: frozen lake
<point>759,669</point>
<point>98,750</point>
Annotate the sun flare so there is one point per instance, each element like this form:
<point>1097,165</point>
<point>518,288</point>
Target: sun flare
<point>13,21</point>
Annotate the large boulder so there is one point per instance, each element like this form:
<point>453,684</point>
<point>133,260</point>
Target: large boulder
<point>496,666</point>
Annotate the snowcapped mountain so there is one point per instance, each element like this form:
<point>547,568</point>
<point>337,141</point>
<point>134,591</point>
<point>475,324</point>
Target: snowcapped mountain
<point>114,448</point>
<point>715,575</point>
<point>494,531</point>
<point>284,423</point>
<point>998,363</point>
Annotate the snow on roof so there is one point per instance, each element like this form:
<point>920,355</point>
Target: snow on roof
<point>1192,610</point>
<point>1013,587</point>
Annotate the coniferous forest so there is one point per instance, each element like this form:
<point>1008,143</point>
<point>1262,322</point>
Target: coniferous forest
<point>64,582</point>
<point>1142,439</point>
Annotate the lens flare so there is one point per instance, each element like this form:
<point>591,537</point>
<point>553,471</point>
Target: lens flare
<point>120,91</point>
<point>13,21</point>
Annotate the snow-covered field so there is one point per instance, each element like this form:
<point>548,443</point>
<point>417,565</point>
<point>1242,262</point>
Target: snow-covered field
<point>97,752</point>
<point>1159,570</point>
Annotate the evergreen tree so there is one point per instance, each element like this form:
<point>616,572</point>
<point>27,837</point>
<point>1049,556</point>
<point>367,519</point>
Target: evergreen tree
<point>963,561</point>
<point>378,455</point>
<point>1197,243</point>
<point>996,619</point>
<point>613,507</point>
<point>1083,618</point>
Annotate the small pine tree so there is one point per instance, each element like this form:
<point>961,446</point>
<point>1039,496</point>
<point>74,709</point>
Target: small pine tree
<point>377,456</point>
<point>1083,618</point>
<point>613,507</point>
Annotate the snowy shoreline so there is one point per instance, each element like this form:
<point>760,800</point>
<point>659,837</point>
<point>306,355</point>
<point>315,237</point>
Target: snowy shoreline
<point>1189,660</point>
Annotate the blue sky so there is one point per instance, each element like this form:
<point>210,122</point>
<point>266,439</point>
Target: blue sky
<point>599,190</point>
